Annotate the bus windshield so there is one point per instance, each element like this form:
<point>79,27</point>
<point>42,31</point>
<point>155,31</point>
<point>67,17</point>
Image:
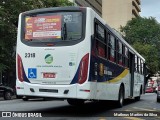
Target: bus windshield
<point>50,27</point>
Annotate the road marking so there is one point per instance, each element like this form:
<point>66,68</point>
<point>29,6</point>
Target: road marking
<point>143,109</point>
<point>102,119</point>
<point>133,118</point>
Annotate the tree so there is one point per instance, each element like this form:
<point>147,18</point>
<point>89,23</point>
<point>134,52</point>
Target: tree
<point>144,35</point>
<point>9,11</point>
<point>143,30</point>
<point>150,54</point>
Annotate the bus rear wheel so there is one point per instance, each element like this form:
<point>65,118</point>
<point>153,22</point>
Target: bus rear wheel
<point>75,102</point>
<point>120,101</point>
<point>7,95</point>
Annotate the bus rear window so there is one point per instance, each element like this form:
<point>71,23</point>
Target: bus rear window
<point>42,27</point>
<point>53,26</point>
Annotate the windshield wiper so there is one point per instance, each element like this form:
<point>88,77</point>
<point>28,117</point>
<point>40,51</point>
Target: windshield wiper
<point>64,29</point>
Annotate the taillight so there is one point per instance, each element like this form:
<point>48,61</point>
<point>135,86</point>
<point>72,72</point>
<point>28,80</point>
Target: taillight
<point>83,69</point>
<point>20,68</point>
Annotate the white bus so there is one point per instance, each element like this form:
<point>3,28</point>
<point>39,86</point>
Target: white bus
<point>71,53</point>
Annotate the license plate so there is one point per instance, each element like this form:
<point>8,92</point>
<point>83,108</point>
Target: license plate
<point>49,75</point>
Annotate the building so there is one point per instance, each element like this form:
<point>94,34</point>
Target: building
<point>115,12</point>
<point>94,4</point>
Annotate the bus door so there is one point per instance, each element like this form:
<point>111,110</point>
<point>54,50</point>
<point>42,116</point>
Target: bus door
<point>132,66</point>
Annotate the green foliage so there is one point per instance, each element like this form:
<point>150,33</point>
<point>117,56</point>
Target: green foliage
<point>144,30</point>
<point>150,54</point>
<point>144,35</point>
<point>9,11</point>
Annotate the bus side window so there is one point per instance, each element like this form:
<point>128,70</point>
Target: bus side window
<point>100,40</point>
<point>139,65</point>
<point>123,55</point>
<point>106,43</point>
<point>135,63</point>
<point>109,46</point>
<point>100,32</point>
<point>101,49</point>
<point>116,50</point>
<point>120,53</point>
<point>112,48</point>
<point>126,57</point>
<point>142,67</point>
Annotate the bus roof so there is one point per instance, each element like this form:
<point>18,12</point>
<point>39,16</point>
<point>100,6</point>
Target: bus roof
<point>69,8</point>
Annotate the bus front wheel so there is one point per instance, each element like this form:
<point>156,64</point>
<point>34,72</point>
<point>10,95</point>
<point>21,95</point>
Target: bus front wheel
<point>137,98</point>
<point>25,98</point>
<point>75,102</point>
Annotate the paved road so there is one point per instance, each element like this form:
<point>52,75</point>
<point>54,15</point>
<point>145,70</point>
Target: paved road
<point>60,110</point>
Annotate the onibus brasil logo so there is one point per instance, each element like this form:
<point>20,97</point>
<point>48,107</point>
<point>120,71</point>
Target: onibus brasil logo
<point>48,58</point>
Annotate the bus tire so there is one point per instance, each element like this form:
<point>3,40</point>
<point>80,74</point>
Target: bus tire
<point>25,98</point>
<point>137,98</point>
<point>120,101</point>
<point>19,97</point>
<point>75,102</point>
<point>7,95</point>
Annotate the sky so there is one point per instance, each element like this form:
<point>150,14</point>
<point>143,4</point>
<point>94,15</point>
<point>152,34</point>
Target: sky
<point>150,8</point>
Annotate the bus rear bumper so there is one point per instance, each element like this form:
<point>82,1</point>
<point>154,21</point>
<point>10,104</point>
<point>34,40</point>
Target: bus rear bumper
<point>54,91</point>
